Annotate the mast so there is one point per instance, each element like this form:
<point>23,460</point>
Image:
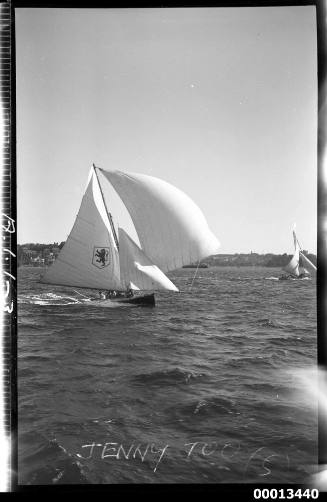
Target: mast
<point>105,205</point>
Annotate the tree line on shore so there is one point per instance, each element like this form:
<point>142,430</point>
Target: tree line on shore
<point>45,254</point>
<point>37,254</point>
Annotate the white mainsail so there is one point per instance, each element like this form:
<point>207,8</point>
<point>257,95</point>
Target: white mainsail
<point>137,271</point>
<point>89,258</point>
<point>171,228</point>
<point>293,266</point>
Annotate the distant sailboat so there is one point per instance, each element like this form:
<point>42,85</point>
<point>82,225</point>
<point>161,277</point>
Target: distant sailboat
<point>295,269</point>
<point>171,229</point>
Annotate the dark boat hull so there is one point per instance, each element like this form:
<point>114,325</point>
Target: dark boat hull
<point>142,300</point>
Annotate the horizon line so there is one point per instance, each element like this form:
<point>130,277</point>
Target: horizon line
<point>216,254</point>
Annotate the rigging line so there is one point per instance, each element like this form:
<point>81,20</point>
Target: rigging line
<point>105,205</point>
<point>195,274</point>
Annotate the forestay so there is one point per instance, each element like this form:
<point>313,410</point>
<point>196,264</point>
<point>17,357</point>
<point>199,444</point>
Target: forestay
<point>89,257</point>
<point>171,228</point>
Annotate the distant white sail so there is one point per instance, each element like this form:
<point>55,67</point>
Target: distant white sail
<point>171,228</point>
<point>89,257</point>
<point>308,263</point>
<point>293,266</point>
<point>137,271</point>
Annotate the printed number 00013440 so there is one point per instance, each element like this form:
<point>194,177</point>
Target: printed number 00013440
<point>288,493</point>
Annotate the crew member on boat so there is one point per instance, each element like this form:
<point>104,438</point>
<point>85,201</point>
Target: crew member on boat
<point>105,295</point>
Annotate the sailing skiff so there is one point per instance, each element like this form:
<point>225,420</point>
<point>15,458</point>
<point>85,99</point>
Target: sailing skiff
<point>171,228</point>
<point>295,269</point>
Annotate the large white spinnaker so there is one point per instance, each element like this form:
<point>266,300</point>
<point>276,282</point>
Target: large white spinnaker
<point>308,263</point>
<point>137,271</point>
<point>171,228</point>
<point>89,257</point>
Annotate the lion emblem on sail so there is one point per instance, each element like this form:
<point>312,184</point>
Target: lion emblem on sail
<point>101,257</point>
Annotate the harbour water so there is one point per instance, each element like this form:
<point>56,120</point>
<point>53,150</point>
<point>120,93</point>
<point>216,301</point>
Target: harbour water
<point>200,389</point>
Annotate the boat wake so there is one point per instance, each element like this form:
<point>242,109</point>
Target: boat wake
<point>61,300</point>
<point>272,278</point>
<point>109,304</point>
<point>51,299</point>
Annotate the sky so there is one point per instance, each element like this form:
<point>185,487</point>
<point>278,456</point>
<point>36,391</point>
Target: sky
<point>220,102</point>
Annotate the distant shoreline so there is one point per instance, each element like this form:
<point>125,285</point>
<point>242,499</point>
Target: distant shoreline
<point>45,254</point>
<point>187,267</point>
